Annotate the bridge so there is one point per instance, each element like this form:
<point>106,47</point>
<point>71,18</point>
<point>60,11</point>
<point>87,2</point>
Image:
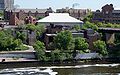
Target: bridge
<point>109,30</point>
<point>109,34</point>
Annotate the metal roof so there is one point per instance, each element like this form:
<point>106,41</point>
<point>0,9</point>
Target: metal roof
<point>87,56</point>
<point>59,18</point>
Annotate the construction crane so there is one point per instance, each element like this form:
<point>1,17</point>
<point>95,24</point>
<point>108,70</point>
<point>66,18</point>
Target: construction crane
<point>75,4</point>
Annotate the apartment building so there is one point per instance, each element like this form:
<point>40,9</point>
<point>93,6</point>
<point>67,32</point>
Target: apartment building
<point>6,4</point>
<point>108,15</point>
<point>22,14</point>
<point>76,13</point>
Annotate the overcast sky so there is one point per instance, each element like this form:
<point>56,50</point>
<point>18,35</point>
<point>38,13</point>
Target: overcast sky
<point>90,4</point>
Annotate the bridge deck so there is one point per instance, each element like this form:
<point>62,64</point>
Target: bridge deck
<point>109,30</point>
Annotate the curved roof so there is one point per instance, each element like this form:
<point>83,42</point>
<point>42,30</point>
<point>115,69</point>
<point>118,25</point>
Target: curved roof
<point>59,18</point>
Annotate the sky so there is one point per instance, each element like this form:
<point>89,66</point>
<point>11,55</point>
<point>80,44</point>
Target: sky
<point>55,4</point>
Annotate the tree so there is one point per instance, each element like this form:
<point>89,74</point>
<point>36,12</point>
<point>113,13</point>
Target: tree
<point>20,35</point>
<point>64,41</point>
<point>40,50</point>
<point>76,27</point>
<point>109,25</point>
<point>40,29</point>
<point>8,42</point>
<point>60,55</point>
<point>55,55</point>
<point>31,27</point>
<point>81,44</point>
<point>87,24</point>
<point>100,47</point>
<point>88,17</point>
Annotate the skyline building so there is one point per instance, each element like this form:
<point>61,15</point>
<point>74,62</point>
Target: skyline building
<point>6,4</point>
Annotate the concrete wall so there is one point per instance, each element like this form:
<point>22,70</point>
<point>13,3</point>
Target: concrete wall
<point>29,55</point>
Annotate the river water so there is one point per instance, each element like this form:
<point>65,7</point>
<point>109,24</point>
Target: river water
<point>96,69</point>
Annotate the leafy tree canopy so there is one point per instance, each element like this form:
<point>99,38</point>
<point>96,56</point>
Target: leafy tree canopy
<point>40,49</point>
<point>63,40</point>
<point>81,44</point>
<point>100,47</point>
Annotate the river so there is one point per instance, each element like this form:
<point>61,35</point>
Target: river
<point>96,69</point>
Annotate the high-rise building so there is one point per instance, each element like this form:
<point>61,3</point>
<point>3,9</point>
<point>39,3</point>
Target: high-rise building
<point>6,4</point>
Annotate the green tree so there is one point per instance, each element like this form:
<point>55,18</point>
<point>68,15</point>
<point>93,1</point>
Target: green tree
<point>59,55</point>
<point>88,17</point>
<point>81,44</point>
<point>87,24</point>
<point>40,29</point>
<point>20,35</point>
<point>40,49</point>
<point>100,47</point>
<point>76,27</point>
<point>55,55</point>
<point>64,40</point>
<point>100,24</point>
<point>31,27</point>
<point>109,25</point>
<point>8,42</point>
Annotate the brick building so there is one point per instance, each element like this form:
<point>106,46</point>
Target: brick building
<point>22,14</point>
<point>76,13</point>
<point>108,15</point>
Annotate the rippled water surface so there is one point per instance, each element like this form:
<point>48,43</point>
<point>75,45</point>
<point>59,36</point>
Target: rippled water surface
<point>97,69</point>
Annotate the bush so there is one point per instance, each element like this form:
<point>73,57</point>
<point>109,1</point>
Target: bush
<point>40,50</point>
<point>8,42</point>
<point>64,41</point>
<point>90,25</point>
<point>81,44</point>
<point>31,27</point>
<point>58,55</point>
<point>100,47</point>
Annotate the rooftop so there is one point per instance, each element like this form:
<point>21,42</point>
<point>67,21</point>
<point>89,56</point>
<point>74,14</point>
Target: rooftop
<point>59,18</point>
<point>87,56</point>
<point>32,10</point>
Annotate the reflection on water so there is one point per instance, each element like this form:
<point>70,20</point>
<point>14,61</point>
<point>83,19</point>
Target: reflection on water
<point>97,69</point>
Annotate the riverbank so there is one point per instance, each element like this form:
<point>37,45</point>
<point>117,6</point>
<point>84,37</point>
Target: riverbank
<point>20,64</point>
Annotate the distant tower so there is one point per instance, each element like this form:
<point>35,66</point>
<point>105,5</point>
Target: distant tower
<point>6,4</point>
<point>75,4</point>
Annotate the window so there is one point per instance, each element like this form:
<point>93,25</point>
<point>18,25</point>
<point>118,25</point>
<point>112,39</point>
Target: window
<point>1,6</point>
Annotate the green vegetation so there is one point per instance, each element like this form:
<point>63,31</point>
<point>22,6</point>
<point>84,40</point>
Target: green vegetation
<point>40,49</point>
<point>81,44</point>
<point>58,55</point>
<point>9,43</point>
<point>20,35</point>
<point>64,41</point>
<point>64,47</point>
<point>101,47</point>
<point>88,17</point>
<point>40,29</point>
<point>1,14</point>
<point>87,25</point>
<point>77,27</point>
<point>31,27</point>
